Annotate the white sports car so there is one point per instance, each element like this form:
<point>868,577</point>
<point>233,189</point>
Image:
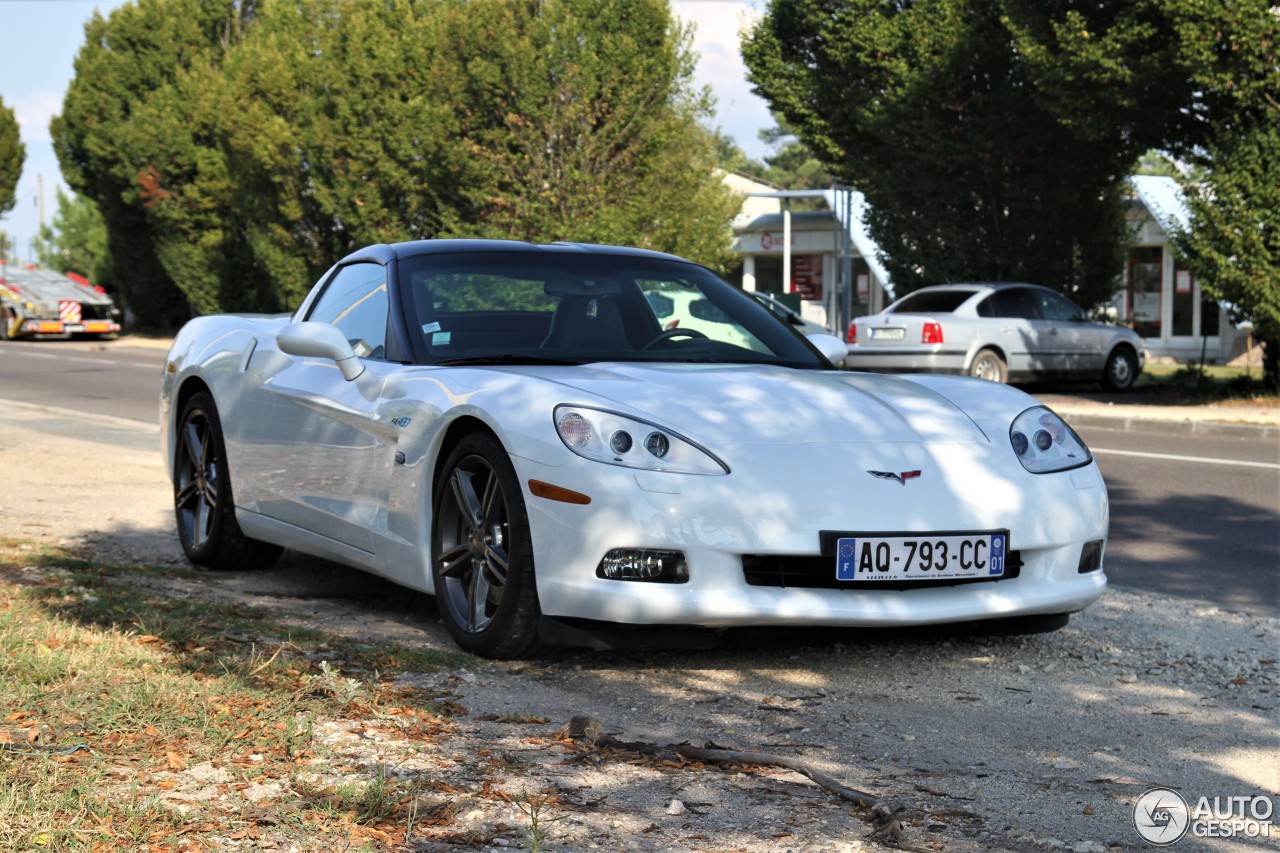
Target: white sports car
<point>510,427</point>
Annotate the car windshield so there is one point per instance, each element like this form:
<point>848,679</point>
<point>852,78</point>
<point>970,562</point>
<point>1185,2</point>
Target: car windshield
<point>931,302</point>
<point>553,308</point>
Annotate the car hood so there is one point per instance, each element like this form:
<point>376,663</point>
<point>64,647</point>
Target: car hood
<point>761,404</point>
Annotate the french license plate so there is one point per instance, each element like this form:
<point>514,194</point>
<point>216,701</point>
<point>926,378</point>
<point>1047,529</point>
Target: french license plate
<point>921,556</point>
<point>888,334</point>
<point>72,327</point>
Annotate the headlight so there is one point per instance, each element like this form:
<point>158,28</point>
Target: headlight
<point>616,439</point>
<point>1044,443</point>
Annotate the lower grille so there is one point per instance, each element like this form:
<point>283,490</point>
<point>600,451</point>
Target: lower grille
<point>818,572</point>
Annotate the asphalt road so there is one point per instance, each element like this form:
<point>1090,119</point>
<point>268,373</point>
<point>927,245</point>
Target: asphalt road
<point>84,376</point>
<point>1195,516</point>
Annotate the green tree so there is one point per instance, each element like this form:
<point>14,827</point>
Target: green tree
<point>337,136</point>
<point>12,153</point>
<point>731,158</point>
<point>1157,163</point>
<point>590,127</point>
<point>1233,242</point>
<point>137,50</point>
<point>288,132</point>
<point>76,240</point>
<point>792,164</point>
<point>965,122</point>
<point>1205,77</point>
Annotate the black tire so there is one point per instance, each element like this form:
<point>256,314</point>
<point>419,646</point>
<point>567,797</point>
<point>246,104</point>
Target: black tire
<point>988,364</point>
<point>6,318</point>
<point>481,553</point>
<point>1121,370</point>
<point>204,505</point>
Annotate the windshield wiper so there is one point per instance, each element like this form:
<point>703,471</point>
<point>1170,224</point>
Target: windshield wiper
<point>505,358</point>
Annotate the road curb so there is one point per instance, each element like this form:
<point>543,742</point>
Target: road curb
<point>1180,427</point>
<point>82,416</point>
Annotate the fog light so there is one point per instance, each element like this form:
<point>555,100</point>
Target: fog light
<point>635,564</point>
<point>1091,556</point>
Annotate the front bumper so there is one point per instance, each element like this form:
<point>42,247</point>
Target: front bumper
<point>717,521</point>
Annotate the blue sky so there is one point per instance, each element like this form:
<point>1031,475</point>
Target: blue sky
<point>40,40</point>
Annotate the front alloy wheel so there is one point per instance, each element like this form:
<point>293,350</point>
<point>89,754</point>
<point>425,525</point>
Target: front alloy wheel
<point>482,557</point>
<point>203,504</point>
<point>196,481</point>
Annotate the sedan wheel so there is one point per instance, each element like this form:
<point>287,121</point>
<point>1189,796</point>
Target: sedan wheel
<point>482,560</point>
<point>203,503</point>
<point>990,366</point>
<point>1121,370</point>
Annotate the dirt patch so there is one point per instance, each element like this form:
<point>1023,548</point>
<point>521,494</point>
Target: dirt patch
<point>985,743</point>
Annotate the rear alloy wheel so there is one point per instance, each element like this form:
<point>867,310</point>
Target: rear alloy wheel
<point>1121,370</point>
<point>988,365</point>
<point>202,498</point>
<point>481,553</point>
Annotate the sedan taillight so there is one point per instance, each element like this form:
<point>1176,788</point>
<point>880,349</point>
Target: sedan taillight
<point>851,336</point>
<point>931,334</point>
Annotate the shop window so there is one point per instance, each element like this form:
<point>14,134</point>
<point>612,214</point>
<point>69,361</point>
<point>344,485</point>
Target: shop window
<point>1210,317</point>
<point>1146,267</point>
<point>1185,294</point>
<point>862,288</point>
<point>769,273</point>
<point>1184,302</point>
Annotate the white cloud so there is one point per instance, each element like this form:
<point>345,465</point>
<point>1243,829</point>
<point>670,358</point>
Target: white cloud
<point>33,111</point>
<point>718,26</point>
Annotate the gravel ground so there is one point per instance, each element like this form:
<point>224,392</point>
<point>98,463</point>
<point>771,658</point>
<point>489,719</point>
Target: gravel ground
<point>987,743</point>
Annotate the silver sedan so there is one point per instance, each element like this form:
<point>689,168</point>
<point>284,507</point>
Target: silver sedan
<point>1001,332</point>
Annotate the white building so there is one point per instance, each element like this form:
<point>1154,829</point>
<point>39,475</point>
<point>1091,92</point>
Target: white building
<point>1160,299</point>
<point>811,253</point>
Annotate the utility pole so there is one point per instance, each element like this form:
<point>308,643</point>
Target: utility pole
<point>40,209</point>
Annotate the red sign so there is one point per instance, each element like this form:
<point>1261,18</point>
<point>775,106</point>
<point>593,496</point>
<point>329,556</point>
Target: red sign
<point>806,276</point>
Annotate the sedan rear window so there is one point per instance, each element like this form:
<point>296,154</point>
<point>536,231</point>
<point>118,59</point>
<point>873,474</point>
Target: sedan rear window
<point>931,302</point>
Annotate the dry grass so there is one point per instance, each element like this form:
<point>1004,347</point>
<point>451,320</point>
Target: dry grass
<point>135,722</point>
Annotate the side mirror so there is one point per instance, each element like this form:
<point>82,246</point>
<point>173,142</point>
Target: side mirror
<point>320,340</point>
<point>832,347</point>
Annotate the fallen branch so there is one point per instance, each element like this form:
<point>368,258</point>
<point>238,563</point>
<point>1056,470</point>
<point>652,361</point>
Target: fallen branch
<point>590,732</point>
<point>764,759</point>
